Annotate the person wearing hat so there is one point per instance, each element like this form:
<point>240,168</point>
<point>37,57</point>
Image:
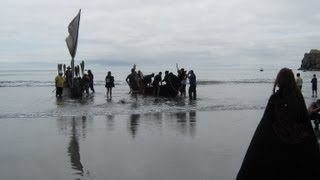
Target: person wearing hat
<point>59,82</point>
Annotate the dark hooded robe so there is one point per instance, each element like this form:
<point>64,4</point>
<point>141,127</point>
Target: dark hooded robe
<point>284,146</point>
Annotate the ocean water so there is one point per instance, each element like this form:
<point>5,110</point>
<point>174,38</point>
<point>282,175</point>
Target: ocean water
<point>31,94</point>
<point>42,137</point>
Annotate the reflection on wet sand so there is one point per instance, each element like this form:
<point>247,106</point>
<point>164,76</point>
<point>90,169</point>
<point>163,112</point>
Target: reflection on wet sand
<point>77,127</point>
<point>193,119</point>
<point>110,122</point>
<point>74,149</point>
<point>186,122</point>
<point>183,122</point>
<point>192,116</point>
<point>133,124</point>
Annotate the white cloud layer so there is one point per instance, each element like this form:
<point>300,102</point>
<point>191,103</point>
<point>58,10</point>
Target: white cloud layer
<point>242,33</point>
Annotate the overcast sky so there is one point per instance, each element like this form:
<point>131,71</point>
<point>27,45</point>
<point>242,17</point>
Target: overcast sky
<point>246,33</point>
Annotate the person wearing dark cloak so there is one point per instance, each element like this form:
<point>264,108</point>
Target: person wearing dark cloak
<point>284,146</point>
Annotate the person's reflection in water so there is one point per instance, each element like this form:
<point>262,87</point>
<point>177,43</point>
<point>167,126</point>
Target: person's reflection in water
<point>110,122</point>
<point>193,116</point>
<point>181,116</point>
<point>73,150</point>
<point>186,122</point>
<point>182,122</point>
<point>134,123</point>
<point>84,125</point>
<point>193,119</point>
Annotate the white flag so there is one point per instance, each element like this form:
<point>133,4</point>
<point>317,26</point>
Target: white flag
<point>72,39</point>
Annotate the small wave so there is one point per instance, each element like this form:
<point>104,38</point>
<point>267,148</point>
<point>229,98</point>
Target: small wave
<point>241,81</point>
<point>24,83</point>
<point>231,108</point>
<point>100,111</point>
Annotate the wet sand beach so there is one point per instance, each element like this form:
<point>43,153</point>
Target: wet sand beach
<point>185,145</point>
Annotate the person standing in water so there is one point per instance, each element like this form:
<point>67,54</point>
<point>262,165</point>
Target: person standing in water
<point>284,145</point>
<point>156,86</point>
<point>133,82</point>
<point>193,85</point>
<point>314,83</point>
<point>59,83</point>
<point>299,81</point>
<point>91,80</point>
<point>109,84</point>
<point>183,80</point>
<point>68,75</point>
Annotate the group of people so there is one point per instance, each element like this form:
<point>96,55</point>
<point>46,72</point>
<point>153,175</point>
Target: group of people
<point>139,82</point>
<point>79,84</point>
<point>314,84</point>
<point>136,81</point>
<point>314,107</point>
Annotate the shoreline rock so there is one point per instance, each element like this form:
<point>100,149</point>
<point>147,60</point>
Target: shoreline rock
<point>311,61</point>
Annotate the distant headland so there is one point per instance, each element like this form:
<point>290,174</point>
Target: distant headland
<point>311,61</point>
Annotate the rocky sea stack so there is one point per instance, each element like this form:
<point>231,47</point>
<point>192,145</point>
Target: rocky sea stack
<point>311,61</point>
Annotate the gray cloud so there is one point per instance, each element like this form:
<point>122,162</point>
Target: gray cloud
<point>208,32</point>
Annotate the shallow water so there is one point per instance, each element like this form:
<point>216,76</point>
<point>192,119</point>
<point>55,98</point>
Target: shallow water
<point>32,94</point>
<point>31,102</point>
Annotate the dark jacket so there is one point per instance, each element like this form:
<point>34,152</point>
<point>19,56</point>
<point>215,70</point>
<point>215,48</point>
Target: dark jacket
<point>109,82</point>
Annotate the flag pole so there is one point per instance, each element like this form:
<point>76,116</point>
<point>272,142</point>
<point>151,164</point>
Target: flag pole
<point>72,68</point>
